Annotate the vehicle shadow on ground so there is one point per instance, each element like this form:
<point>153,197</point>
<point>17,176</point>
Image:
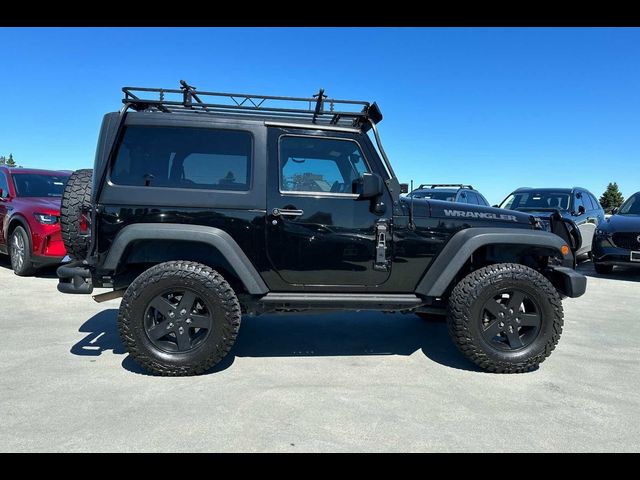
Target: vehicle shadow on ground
<point>44,272</point>
<point>619,273</point>
<point>303,335</point>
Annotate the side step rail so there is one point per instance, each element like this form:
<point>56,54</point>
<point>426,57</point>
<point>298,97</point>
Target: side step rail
<point>337,301</point>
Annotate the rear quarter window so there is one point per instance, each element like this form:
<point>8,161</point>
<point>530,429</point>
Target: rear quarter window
<point>181,157</point>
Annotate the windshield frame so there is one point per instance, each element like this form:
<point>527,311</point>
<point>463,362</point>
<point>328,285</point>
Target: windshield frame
<point>632,200</point>
<point>62,177</point>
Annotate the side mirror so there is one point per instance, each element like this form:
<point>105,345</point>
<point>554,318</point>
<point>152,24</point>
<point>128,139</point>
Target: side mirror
<point>369,185</point>
<point>614,210</point>
<point>2,198</point>
<point>404,188</point>
<point>496,206</point>
<point>581,210</point>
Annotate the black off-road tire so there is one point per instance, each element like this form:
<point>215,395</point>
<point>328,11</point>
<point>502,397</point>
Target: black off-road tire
<point>76,195</point>
<point>22,266</point>
<point>210,286</point>
<point>465,317</point>
<point>603,269</point>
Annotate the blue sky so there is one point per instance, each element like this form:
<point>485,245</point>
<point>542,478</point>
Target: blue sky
<point>497,108</point>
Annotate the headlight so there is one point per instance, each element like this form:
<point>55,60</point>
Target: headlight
<point>46,219</point>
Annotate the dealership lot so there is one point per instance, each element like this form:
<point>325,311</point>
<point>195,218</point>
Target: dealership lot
<point>344,381</point>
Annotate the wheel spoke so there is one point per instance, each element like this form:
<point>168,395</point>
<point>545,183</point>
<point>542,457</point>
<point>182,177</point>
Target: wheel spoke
<point>187,301</point>
<point>163,306</point>
<point>529,319</point>
<point>494,307</point>
<point>516,301</point>
<point>514,339</point>
<point>160,330</point>
<point>200,321</point>
<point>184,340</point>
<point>492,330</point>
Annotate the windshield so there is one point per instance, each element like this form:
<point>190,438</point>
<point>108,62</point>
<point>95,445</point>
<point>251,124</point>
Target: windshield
<point>39,185</point>
<point>631,206</point>
<point>435,195</point>
<point>533,201</point>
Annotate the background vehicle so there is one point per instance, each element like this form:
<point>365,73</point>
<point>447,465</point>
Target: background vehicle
<point>576,204</point>
<point>617,240</point>
<point>202,211</point>
<point>29,217</point>
<point>450,193</point>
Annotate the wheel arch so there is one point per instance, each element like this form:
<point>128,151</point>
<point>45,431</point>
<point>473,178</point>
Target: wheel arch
<point>460,250</point>
<point>157,243</point>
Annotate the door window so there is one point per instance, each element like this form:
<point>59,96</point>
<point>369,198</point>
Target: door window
<point>4,185</point>
<point>319,165</point>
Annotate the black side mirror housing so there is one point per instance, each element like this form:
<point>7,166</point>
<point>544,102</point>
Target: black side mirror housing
<point>614,210</point>
<point>581,210</point>
<point>404,188</point>
<point>369,185</point>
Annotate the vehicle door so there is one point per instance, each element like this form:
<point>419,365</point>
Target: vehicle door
<point>580,212</point>
<point>319,232</point>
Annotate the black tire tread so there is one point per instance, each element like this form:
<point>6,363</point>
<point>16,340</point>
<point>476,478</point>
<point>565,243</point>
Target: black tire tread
<point>603,269</point>
<point>464,294</point>
<point>77,193</point>
<point>184,270</point>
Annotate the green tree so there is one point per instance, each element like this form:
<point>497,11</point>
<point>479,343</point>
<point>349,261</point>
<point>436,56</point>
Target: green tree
<point>3,160</point>
<point>10,161</point>
<point>611,198</point>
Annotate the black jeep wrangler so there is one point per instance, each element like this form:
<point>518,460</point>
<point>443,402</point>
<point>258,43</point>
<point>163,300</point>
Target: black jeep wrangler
<point>203,206</point>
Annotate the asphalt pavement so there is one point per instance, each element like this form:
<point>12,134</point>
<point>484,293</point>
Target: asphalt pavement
<point>335,382</point>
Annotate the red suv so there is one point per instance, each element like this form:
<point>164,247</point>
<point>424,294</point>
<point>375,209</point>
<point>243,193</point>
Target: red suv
<point>30,217</point>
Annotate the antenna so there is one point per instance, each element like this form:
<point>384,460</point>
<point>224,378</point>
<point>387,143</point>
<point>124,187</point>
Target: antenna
<point>412,225</point>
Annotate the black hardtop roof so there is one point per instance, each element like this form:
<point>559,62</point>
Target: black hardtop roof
<point>317,109</point>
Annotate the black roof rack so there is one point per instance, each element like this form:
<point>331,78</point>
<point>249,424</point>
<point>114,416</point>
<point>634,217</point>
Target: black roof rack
<point>352,113</point>
<point>436,185</point>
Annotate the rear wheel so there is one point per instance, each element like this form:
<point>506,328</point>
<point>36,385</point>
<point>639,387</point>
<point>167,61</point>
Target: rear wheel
<point>179,318</point>
<point>73,224</point>
<point>506,318</point>
<point>20,252</point>
<point>603,269</point>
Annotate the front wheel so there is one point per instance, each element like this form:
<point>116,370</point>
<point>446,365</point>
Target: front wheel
<point>506,318</point>
<point>179,318</point>
<point>603,269</point>
<point>20,252</point>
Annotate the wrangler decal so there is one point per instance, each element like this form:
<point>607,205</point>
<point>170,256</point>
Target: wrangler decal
<point>480,215</point>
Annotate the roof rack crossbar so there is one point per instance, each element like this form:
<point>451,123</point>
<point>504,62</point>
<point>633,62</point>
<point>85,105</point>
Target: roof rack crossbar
<point>436,185</point>
<point>313,108</point>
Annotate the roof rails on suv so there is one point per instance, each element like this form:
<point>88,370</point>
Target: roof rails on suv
<point>441,185</point>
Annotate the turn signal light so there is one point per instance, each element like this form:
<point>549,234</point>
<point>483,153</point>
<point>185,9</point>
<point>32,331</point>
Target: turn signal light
<point>565,250</point>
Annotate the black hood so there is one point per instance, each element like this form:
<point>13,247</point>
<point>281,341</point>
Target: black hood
<point>442,209</point>
<point>621,223</point>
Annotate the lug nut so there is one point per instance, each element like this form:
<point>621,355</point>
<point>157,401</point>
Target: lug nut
<point>188,320</point>
<point>183,312</point>
<point>181,330</point>
<point>501,324</point>
<point>171,314</point>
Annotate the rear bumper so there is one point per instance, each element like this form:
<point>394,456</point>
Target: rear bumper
<point>74,278</point>
<point>569,282</point>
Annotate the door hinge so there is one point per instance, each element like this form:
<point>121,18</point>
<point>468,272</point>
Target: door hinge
<point>381,263</point>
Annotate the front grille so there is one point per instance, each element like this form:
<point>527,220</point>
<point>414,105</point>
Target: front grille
<point>626,240</point>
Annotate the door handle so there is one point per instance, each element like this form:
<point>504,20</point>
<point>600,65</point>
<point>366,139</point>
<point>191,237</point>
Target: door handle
<point>289,212</point>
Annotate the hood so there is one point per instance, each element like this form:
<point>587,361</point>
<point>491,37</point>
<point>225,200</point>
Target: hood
<point>622,223</point>
<point>46,204</point>
<point>464,211</point>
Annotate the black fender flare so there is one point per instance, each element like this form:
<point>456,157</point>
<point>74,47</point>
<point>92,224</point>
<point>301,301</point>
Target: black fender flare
<point>461,246</point>
<point>212,236</point>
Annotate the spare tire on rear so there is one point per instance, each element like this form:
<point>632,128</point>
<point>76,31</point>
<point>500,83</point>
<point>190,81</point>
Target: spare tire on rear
<point>76,196</point>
